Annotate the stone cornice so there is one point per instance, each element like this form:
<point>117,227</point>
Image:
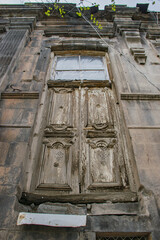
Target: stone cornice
<point>28,23</point>
<point>124,21</point>
<point>38,9</point>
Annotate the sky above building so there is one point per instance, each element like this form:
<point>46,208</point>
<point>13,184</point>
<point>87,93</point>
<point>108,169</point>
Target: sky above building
<point>102,3</point>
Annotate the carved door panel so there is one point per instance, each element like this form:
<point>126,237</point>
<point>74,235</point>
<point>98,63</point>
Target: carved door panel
<point>100,153</point>
<point>59,158</point>
<point>61,109</point>
<point>98,108</point>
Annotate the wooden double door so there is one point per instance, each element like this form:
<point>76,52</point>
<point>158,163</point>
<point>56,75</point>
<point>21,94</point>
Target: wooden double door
<point>81,152</point>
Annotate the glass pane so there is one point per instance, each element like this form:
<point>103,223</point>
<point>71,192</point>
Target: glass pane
<point>89,62</point>
<point>67,63</point>
<point>93,75</point>
<point>67,75</point>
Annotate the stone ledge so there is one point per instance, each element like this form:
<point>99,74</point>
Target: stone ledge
<point>62,208</point>
<point>140,96</point>
<point>114,209</point>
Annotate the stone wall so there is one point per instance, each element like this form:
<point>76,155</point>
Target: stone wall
<point>28,39</point>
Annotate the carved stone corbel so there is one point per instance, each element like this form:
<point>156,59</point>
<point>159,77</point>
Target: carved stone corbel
<point>139,55</point>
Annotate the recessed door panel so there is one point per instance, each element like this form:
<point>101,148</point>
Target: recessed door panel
<point>57,161</point>
<point>98,112</point>
<point>61,111</point>
<point>101,164</point>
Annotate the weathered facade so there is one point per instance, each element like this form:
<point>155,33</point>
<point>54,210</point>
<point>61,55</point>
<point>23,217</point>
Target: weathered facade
<point>79,123</point>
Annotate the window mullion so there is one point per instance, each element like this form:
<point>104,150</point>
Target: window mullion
<point>80,70</point>
<point>54,68</point>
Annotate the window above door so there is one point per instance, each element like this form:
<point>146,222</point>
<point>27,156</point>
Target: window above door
<point>80,157</point>
<point>70,68</point>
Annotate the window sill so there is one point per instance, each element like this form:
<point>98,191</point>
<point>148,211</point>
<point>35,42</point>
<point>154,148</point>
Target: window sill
<point>53,220</point>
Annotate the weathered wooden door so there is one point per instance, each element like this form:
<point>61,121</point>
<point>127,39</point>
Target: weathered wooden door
<point>81,153</point>
<point>99,148</point>
<point>60,162</point>
<point>80,147</point>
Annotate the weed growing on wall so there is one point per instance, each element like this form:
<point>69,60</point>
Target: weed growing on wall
<point>80,11</point>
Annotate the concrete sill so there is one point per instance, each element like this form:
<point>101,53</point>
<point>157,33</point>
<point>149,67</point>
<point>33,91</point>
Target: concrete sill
<point>54,220</point>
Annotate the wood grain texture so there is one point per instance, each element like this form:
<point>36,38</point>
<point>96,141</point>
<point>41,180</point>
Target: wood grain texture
<point>81,152</point>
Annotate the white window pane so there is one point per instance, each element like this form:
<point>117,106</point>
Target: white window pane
<point>89,62</point>
<point>67,75</point>
<point>67,63</point>
<point>93,75</point>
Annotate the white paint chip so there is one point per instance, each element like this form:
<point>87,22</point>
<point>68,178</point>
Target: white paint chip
<point>54,220</point>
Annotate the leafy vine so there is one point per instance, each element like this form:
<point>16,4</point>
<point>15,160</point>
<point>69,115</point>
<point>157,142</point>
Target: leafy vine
<point>81,10</point>
<point>79,13</point>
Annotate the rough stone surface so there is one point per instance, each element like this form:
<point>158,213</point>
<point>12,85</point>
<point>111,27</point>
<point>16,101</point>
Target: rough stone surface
<point>116,208</point>
<point>61,208</point>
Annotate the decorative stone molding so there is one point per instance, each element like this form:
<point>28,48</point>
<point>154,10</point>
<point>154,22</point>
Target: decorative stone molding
<point>62,44</point>
<point>139,55</point>
<point>125,24</point>
<point>122,10</point>
<point>25,23</point>
<point>19,10</point>
<point>153,32</point>
<point>132,36</point>
<point>129,30</point>
<point>83,29</point>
